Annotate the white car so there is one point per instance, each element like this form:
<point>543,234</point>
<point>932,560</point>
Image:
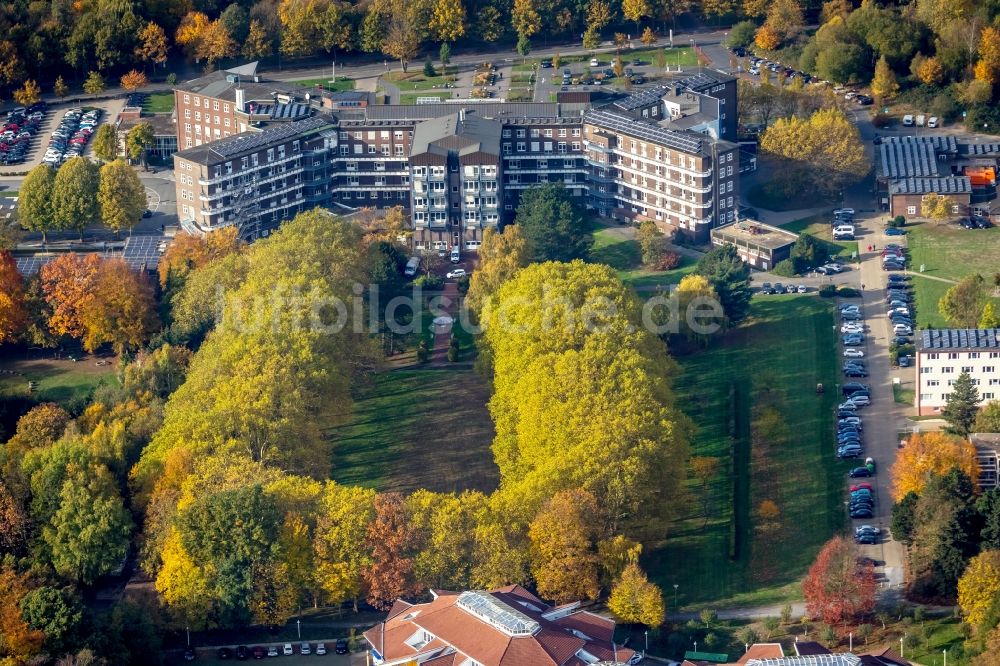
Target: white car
<point>594,62</point>
<point>457,273</point>
<point>854,353</point>
<point>852,328</point>
<point>287,649</point>
<point>902,329</point>
<point>802,289</point>
<point>321,648</point>
<point>304,649</point>
<point>860,400</point>
<point>272,651</point>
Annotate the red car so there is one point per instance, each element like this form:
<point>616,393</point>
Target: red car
<point>860,486</point>
<point>259,652</point>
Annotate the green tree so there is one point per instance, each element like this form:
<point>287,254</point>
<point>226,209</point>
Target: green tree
<point>138,141</point>
<point>652,242</point>
<point>59,88</point>
<point>444,54</point>
<point>525,20</point>
<point>636,600</point>
<point>94,84</point>
<point>57,612</point>
<point>90,531</point>
<point>988,418</point>
<point>961,406</point>
<point>730,277</point>
<point>448,20</point>
<point>962,305</point>
<point>345,515</point>
<point>741,35</point>
<point>106,143</point>
<point>121,195</point>
<point>34,207</point>
<point>74,195</point>
<point>553,224</point>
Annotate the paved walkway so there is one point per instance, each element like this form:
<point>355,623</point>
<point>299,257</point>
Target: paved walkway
<point>442,334</point>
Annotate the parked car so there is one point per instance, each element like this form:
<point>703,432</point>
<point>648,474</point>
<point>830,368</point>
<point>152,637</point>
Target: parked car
<point>894,231</point>
<point>859,473</point>
<point>190,654</point>
<point>242,652</point>
<point>861,399</point>
<point>341,646</point>
<point>272,650</point>
<point>902,329</point>
<point>862,513</point>
<point>287,649</point>
<point>766,288</point>
<point>851,387</point>
<point>853,340</point>
<point>321,648</point>
<point>779,288</point>
<point>305,649</point>
<point>259,652</point>
<point>865,539</point>
<point>854,353</point>
<point>456,273</point>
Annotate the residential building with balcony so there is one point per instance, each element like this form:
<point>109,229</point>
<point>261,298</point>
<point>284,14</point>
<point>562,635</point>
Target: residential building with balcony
<point>943,354</point>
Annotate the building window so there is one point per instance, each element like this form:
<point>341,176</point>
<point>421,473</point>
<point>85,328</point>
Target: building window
<point>967,368</point>
<point>506,134</point>
<point>926,397</point>
<point>947,370</point>
<point>371,148</point>
<point>197,101</point>
<point>933,382</point>
<point>911,210</point>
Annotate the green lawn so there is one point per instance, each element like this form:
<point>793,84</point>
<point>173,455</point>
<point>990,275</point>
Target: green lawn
<point>903,396</point>
<point>342,83</point>
<point>770,197</point>
<point>949,251</point>
<point>56,381</point>
<point>615,247</point>
<point>161,102</point>
<point>791,341</point>
<point>680,55</point>
<point>411,98</point>
<point>8,194</point>
<point>418,428</point>
<point>414,81</point>
<point>819,226</point>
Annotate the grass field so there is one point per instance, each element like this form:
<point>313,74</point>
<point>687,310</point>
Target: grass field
<point>420,428</point>
<point>769,197</point>
<point>616,247</point>
<point>342,83</point>
<point>789,340</point>
<point>819,227</point>
<point>162,102</point>
<point>951,252</point>
<point>59,381</point>
<point>415,81</point>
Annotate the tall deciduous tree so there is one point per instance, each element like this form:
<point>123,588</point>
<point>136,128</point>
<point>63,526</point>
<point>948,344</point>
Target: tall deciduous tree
<point>937,207</point>
<point>189,252</point>
<point>20,641</point>
<point>839,589</point>
<point>635,600</point>
<point>29,93</point>
<point>961,406</point>
<point>962,305</point>
<point>152,45</point>
<point>34,208</point>
<point>89,533</point>
<point>390,574</point>
<point>12,312</point>
<point>563,548</point>
<point>553,224</point>
<point>121,195</point>
<point>927,454</point>
<point>988,418</point>
<point>635,11</point>
<point>979,587</point>
<point>448,20</point>
<point>120,310</point>
<point>258,43</point>
<point>990,318</point>
<point>94,84</point>
<point>67,282</point>
<point>138,141</point>
<point>525,19</point>
<point>345,515</point>
<point>401,37</point>
<point>501,256</point>
<point>885,87</point>
<point>59,88</point>
<point>823,152</point>
<point>133,80</point>
<point>74,195</point>
<point>106,143</point>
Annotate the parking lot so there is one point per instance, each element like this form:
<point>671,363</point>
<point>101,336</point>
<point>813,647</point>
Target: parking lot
<point>109,112</point>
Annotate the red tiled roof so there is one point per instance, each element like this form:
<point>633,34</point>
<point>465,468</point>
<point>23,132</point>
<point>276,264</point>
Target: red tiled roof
<point>762,651</point>
<point>452,626</point>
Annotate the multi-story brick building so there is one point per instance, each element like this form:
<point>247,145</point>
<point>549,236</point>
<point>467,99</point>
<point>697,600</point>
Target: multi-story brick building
<point>943,354</point>
<point>660,154</point>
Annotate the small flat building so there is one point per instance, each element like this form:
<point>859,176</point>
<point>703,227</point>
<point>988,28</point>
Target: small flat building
<point>760,245</point>
<point>988,456</point>
<point>906,194</point>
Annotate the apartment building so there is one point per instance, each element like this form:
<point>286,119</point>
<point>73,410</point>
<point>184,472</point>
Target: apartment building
<point>943,354</point>
<point>256,180</point>
<point>660,154</point>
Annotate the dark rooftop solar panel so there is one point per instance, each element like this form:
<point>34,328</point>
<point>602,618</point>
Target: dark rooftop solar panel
<point>143,251</point>
<point>30,265</point>
<point>688,143</point>
<point>247,141</point>
<point>960,338</point>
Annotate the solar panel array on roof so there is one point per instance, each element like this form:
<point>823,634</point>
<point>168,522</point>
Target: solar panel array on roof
<point>847,659</point>
<point>905,159</point>
<point>687,143</point>
<point>484,109</point>
<point>292,111</point>
<point>143,252</point>
<point>945,185</point>
<point>246,141</point>
<point>643,98</point>
<point>700,80</point>
<point>984,148</point>
<point>960,338</point>
<point>28,266</point>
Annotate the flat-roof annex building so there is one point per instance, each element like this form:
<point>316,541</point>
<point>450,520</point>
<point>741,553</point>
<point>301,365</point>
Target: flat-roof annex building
<point>662,154</point>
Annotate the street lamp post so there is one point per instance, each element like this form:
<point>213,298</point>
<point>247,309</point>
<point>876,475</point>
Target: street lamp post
<point>901,645</point>
<point>647,640</point>
<point>188,630</point>
<point>675,596</point>
<point>298,627</point>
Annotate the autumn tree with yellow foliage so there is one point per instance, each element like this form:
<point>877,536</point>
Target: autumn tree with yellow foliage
<point>823,152</point>
<point>501,255</point>
<point>930,453</point>
<point>988,66</point>
<point>563,549</point>
<point>979,588</point>
<point>636,600</point>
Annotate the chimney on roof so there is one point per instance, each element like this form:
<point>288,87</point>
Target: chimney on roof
<point>461,115</point>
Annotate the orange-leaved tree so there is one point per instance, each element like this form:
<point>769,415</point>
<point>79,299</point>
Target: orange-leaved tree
<point>390,574</point>
<point>122,311</point>
<point>930,453</point>
<point>837,588</point>
<point>12,313</point>
<point>68,283</point>
<point>189,252</point>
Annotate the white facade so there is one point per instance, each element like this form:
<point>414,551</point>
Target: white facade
<point>937,370</point>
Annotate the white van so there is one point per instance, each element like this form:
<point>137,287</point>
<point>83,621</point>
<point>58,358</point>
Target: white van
<point>411,266</point>
<point>932,121</point>
<point>920,120</point>
<point>908,120</point>
<point>843,229</point>
<point>456,255</point>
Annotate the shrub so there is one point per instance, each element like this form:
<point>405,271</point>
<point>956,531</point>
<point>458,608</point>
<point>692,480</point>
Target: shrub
<point>898,221</point>
<point>429,70</point>
<point>452,354</point>
<point>880,120</point>
<point>848,292</point>
<point>784,268</point>
<point>667,261</point>
<point>423,352</point>
<point>463,285</point>
<point>828,291</point>
<point>429,282</point>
